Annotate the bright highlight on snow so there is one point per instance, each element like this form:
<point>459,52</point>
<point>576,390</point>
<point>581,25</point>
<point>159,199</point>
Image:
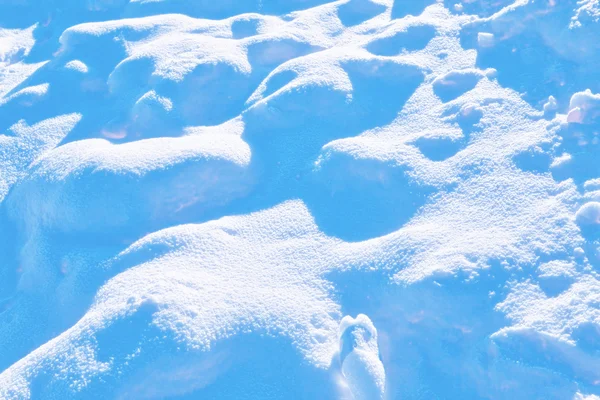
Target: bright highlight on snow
<point>299,199</point>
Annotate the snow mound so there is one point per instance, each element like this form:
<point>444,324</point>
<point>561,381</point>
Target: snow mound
<point>185,295</point>
<point>148,179</point>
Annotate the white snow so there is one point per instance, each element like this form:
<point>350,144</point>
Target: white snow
<point>196,199</point>
<point>584,107</point>
<point>485,39</point>
<point>360,361</point>
<point>15,43</point>
<point>77,65</point>
<point>550,106</point>
<point>588,214</point>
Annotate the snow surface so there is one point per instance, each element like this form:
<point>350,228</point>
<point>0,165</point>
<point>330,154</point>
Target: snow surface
<point>307,199</point>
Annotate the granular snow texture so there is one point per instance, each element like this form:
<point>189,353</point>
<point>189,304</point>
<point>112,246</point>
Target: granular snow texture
<point>300,199</point>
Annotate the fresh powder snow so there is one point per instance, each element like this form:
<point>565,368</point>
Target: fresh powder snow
<point>300,199</point>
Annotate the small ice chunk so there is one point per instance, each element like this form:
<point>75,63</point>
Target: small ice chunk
<point>584,99</point>
<point>550,106</point>
<point>77,65</point>
<point>584,107</point>
<point>485,39</point>
<point>588,214</point>
<point>359,355</point>
<point>575,116</point>
<point>564,158</point>
<point>152,99</point>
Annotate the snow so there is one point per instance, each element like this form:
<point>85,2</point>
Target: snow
<point>550,106</point>
<point>15,42</point>
<point>588,214</point>
<point>359,357</point>
<point>583,107</point>
<point>77,65</point>
<point>485,39</point>
<point>353,199</point>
